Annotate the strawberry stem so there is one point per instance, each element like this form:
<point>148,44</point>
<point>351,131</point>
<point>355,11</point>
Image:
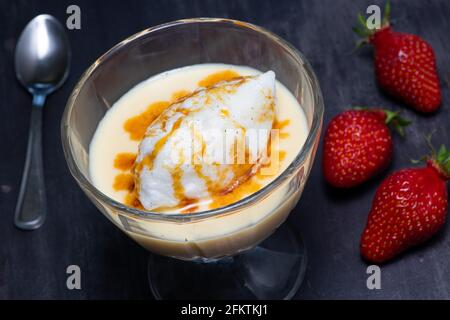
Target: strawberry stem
<point>430,144</point>
<point>387,14</point>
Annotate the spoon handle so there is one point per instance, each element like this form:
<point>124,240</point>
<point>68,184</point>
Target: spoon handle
<point>31,206</point>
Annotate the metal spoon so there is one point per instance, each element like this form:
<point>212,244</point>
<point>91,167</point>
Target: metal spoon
<point>42,64</point>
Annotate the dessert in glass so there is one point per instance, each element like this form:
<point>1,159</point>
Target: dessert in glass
<point>196,139</point>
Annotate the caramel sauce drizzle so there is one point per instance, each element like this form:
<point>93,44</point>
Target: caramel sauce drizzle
<point>180,95</point>
<point>178,188</point>
<point>246,188</point>
<point>224,113</point>
<point>148,160</point>
<point>124,161</point>
<point>124,181</point>
<point>132,200</point>
<point>137,126</point>
<point>214,78</point>
<point>280,125</point>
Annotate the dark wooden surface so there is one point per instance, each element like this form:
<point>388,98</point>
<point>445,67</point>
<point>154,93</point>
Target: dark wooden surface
<point>33,264</point>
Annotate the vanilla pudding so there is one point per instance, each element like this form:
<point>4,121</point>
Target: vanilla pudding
<point>124,139</point>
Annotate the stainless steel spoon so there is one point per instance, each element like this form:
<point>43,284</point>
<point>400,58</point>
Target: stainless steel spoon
<point>42,59</point>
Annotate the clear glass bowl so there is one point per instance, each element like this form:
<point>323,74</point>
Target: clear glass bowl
<point>239,226</point>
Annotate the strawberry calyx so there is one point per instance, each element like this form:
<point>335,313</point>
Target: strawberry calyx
<point>390,118</point>
<point>440,161</point>
<point>368,35</point>
<point>394,119</point>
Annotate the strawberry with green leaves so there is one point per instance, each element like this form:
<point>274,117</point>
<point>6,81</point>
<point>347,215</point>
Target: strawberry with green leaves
<point>409,207</point>
<point>405,65</point>
<point>358,145</point>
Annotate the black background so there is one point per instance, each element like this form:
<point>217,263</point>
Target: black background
<point>33,264</point>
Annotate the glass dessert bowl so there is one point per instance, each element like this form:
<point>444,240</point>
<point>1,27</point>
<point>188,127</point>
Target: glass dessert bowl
<point>217,252</point>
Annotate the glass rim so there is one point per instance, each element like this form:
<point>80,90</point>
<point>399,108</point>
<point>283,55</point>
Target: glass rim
<point>316,124</point>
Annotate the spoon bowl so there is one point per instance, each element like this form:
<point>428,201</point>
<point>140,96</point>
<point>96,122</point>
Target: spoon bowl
<point>42,55</point>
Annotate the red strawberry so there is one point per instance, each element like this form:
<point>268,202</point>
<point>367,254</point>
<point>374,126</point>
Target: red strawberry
<point>409,207</point>
<point>405,65</point>
<point>358,145</point>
